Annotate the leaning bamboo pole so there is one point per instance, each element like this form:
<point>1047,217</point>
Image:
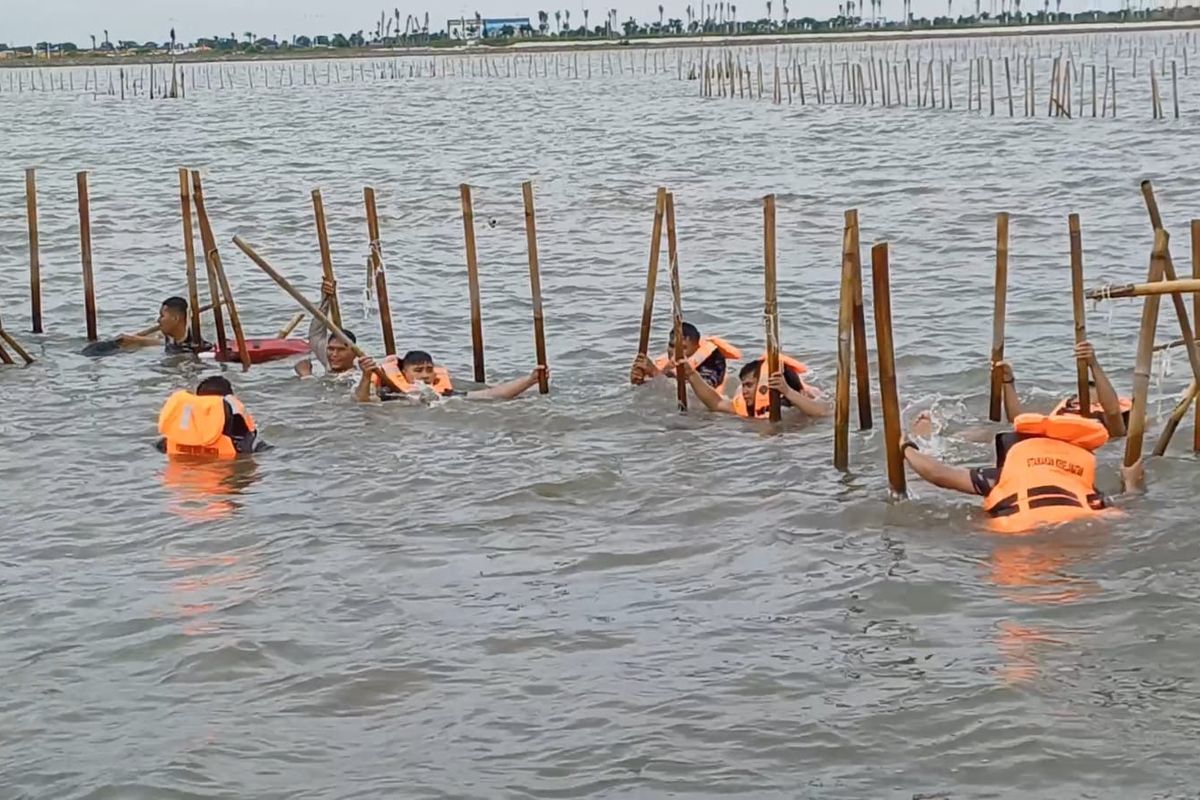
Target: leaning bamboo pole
<point>1141,371</point>
<point>887,369</point>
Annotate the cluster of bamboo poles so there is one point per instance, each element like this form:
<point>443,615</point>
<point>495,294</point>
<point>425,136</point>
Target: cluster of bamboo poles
<point>875,80</point>
<point>191,196</point>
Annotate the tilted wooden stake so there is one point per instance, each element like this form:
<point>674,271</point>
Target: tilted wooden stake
<point>189,254</point>
<point>468,210</point>
<point>862,367</point>
<point>381,292</point>
<point>535,286</point>
<point>335,306</point>
<point>676,303</point>
<point>841,406</point>
<point>212,257</point>
<point>35,265</point>
<point>1145,355</point>
<point>85,250</point>
<point>660,205</point>
<point>1081,365</point>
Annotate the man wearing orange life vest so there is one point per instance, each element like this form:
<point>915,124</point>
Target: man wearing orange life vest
<point>707,355</point>
<point>212,423</point>
<point>752,400</point>
<point>1045,473</point>
<point>416,375</point>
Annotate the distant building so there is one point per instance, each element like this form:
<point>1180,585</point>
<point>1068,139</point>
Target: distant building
<point>470,29</point>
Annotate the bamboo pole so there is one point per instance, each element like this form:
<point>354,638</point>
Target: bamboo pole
<point>1196,308</point>
<point>887,369</point>
<point>1001,297</point>
<point>5,358</point>
<point>15,345</point>
<point>335,306</point>
<point>292,324</point>
<point>862,367</point>
<point>841,406</point>
<point>305,303</point>
<point>1081,365</point>
<point>35,265</point>
<point>771,306</point>
<point>660,202</point>
<point>535,287</point>
<point>676,302</point>
<point>1175,90</point>
<point>1141,372</point>
<point>468,210</point>
<point>85,250</point>
<point>1154,289</point>
<point>381,292</point>
<point>214,289</point>
<point>213,258</point>
<point>189,252</point>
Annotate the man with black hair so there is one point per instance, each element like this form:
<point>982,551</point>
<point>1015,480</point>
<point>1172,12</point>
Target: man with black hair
<point>173,323</point>
<point>210,423</point>
<point>753,397</point>
<point>708,356</point>
<point>416,376</point>
<point>339,357</point>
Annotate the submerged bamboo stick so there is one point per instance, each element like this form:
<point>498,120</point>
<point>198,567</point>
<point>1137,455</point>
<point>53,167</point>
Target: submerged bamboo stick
<point>35,264</point>
<point>535,287</point>
<point>189,253</point>
<point>841,405</point>
<point>85,250</point>
<point>862,367</point>
<point>1141,372</point>
<point>15,345</point>
<point>213,257</point>
<point>660,203</point>
<point>468,210</point>
<point>887,370</point>
<point>1001,296</point>
<point>770,305</point>
<point>335,306</point>
<point>1081,365</point>
<point>676,303</point>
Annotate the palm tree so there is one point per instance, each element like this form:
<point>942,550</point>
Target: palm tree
<point>585,23</point>
<point>768,11</point>
<point>733,13</point>
<point>1046,10</point>
<point>558,23</point>
<point>976,9</point>
<point>425,27</point>
<point>660,17</point>
<point>1017,8</point>
<point>1058,8</point>
<point>93,41</point>
<point>108,45</point>
<point>567,18</point>
<point>950,9</point>
<point>785,14</point>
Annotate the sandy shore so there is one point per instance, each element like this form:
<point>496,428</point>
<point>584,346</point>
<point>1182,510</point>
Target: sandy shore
<point>556,45</point>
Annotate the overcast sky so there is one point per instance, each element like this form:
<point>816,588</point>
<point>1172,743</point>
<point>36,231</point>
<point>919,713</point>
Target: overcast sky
<point>29,21</point>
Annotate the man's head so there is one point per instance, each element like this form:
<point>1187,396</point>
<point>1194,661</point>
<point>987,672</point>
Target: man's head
<point>173,317</point>
<point>417,366</point>
<point>748,377</point>
<point>340,357</point>
<point>691,340</point>
<point>216,386</point>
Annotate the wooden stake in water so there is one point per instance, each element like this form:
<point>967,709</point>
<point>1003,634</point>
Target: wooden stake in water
<point>535,286</point>
<point>335,306</point>
<point>1145,355</point>
<point>1081,365</point>
<point>841,405</point>
<point>85,250</point>
<point>887,369</point>
<point>1196,311</point>
<point>770,305</point>
<point>862,368</point>
<point>214,288</point>
<point>381,292</point>
<point>15,345</point>
<point>468,210</point>
<point>35,266</point>
<point>213,256</point>
<point>189,254</point>
<point>1001,295</point>
<point>660,206</point>
<point>676,303</point>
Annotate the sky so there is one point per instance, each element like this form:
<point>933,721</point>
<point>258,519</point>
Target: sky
<point>29,21</point>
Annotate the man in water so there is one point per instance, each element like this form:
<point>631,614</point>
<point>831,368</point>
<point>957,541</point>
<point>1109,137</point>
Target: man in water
<point>753,397</point>
<point>173,323</point>
<point>1045,473</point>
<point>337,354</point>
<point>708,356</point>
<point>416,376</point>
<point>210,423</point>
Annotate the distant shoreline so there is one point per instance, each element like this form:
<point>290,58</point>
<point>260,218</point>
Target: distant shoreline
<point>88,59</point>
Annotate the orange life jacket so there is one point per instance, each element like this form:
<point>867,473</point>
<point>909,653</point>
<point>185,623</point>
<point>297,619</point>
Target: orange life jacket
<point>1049,475</point>
<point>708,346</point>
<point>194,425</point>
<point>391,367</point>
<point>762,394</point>
<point>1070,406</point>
